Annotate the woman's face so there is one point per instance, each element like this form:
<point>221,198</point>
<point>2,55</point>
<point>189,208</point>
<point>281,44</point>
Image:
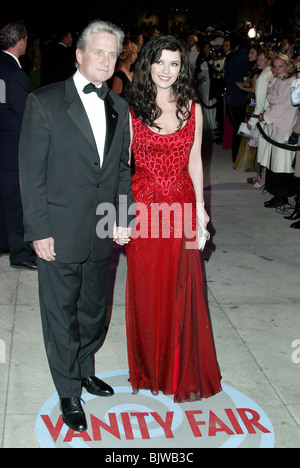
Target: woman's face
<point>262,62</point>
<point>252,55</point>
<point>280,68</point>
<point>165,71</point>
<point>206,49</point>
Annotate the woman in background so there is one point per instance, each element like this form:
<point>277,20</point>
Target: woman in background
<point>123,74</point>
<point>264,61</point>
<point>246,157</point>
<point>279,119</point>
<point>202,72</point>
<point>35,59</point>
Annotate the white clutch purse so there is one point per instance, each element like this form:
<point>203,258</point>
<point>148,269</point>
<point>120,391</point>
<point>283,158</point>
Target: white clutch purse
<point>245,132</point>
<point>203,236</point>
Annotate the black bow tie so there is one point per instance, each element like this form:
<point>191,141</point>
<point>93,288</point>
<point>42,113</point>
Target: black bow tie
<point>101,92</point>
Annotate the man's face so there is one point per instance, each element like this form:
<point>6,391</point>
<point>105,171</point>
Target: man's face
<point>97,62</point>
<point>22,44</point>
<point>68,40</point>
<point>226,47</point>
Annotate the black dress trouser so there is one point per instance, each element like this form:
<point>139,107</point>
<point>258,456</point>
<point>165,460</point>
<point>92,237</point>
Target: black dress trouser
<point>238,116</point>
<point>73,302</point>
<point>11,219</point>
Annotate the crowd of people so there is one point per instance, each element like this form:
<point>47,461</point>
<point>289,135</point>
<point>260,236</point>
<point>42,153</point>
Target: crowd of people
<point>232,74</point>
<point>242,82</point>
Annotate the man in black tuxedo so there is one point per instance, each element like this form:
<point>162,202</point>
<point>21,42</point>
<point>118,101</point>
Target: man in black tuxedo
<point>74,153</point>
<point>15,87</point>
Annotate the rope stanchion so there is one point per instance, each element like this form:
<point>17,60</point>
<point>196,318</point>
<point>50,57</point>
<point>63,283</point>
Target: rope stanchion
<point>275,143</point>
<point>206,105</point>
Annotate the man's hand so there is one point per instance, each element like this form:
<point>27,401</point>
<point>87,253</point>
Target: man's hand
<point>44,249</point>
<point>122,235</point>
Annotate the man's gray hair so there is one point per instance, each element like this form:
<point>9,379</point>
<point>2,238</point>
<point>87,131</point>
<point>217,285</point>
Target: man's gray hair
<point>11,34</point>
<point>96,27</point>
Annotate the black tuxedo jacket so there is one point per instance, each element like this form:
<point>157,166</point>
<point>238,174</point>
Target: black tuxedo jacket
<point>62,183</point>
<point>15,87</point>
<point>62,63</point>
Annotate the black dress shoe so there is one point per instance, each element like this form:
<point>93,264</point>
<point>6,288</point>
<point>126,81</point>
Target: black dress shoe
<point>296,225</point>
<point>275,202</point>
<point>97,387</point>
<point>25,265</point>
<point>294,215</point>
<point>72,414</point>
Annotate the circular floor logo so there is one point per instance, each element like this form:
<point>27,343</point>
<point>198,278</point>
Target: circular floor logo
<point>229,419</point>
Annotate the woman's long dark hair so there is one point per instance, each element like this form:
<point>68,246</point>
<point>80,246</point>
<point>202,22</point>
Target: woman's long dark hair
<point>141,94</point>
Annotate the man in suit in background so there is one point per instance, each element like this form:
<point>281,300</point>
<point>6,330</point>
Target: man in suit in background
<point>74,153</point>
<point>16,87</point>
<point>62,58</point>
<point>237,63</point>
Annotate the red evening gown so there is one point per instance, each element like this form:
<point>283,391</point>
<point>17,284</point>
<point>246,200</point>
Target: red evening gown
<point>169,337</point>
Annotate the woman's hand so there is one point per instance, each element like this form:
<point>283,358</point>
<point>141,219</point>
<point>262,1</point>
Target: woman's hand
<point>261,117</point>
<point>242,85</point>
<point>202,214</point>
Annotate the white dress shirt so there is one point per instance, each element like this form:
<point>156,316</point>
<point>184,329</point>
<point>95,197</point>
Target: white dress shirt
<point>94,107</point>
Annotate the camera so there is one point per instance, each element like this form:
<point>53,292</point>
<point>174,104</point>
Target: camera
<point>296,50</point>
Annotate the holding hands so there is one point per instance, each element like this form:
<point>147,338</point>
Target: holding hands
<point>44,248</point>
<point>121,235</point>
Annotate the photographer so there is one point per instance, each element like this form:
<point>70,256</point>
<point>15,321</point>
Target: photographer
<point>295,136</point>
<point>236,66</point>
<point>217,82</point>
<point>295,92</point>
<point>204,75</point>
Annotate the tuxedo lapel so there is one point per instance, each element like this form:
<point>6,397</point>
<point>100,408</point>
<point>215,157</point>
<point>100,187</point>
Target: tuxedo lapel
<point>77,112</point>
<point>111,123</point>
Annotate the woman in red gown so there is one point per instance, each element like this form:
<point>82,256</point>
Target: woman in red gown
<point>170,343</point>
